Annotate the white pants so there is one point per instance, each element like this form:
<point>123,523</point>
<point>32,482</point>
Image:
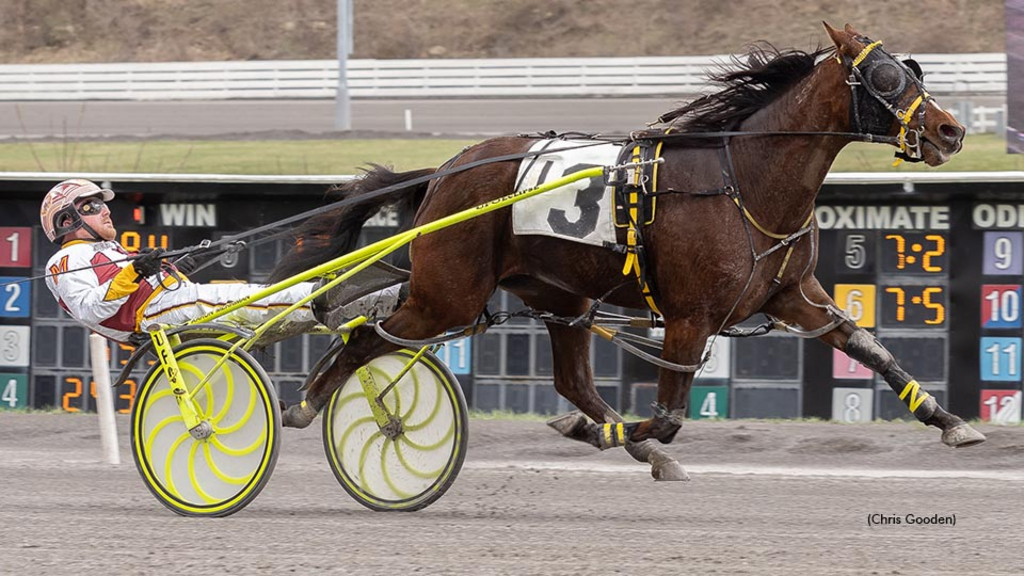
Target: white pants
<point>191,301</point>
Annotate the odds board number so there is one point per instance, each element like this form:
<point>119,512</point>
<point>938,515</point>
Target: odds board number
<point>1002,255</point>
<point>859,302</point>
<point>1000,306</point>
<point>1000,359</point>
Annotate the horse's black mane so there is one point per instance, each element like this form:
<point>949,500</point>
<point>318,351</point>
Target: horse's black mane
<point>751,82</point>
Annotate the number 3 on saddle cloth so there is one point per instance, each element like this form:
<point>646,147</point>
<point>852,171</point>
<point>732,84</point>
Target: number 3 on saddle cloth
<point>590,210</point>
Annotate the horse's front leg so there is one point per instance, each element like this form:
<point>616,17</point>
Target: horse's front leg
<point>860,345</point>
<point>684,344</point>
<point>573,380</point>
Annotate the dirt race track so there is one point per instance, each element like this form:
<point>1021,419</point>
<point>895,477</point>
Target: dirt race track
<point>765,498</point>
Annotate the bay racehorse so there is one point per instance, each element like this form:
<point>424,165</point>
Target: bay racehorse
<point>734,234</point>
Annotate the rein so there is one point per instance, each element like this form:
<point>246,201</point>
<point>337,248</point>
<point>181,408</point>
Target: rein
<point>234,242</point>
<point>598,140</point>
<point>858,136</point>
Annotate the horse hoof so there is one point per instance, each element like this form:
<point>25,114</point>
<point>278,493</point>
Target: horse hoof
<point>961,436</point>
<point>298,416</point>
<point>669,472</point>
<point>567,424</point>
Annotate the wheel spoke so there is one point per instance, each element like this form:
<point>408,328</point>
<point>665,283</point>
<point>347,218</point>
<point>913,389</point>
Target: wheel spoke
<point>362,460</point>
<point>384,470</point>
<point>433,412</point>
<point>156,430</point>
<point>168,476</point>
<point>418,473</point>
<point>351,428</point>
<point>160,395</point>
<point>346,399</point>
<point>217,472</point>
<point>260,441</point>
<point>428,447</point>
<point>187,367</point>
<point>415,392</point>
<point>229,395</point>
<point>192,475</point>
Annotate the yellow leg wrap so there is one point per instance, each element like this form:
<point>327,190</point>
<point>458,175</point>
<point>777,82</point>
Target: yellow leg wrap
<point>613,435</point>
<point>916,395</point>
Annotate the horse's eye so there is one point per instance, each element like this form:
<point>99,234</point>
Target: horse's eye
<point>885,78</point>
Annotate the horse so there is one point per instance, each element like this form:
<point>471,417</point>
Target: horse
<point>734,235</point>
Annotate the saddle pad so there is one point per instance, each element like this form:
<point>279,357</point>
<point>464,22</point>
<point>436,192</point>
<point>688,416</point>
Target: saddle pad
<point>579,212</point>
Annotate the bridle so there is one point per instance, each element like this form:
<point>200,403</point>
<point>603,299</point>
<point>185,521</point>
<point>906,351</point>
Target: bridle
<point>866,71</point>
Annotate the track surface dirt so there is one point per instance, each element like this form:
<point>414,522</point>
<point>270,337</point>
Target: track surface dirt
<point>765,498</point>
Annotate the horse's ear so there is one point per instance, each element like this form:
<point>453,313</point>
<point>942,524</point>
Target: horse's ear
<point>838,38</point>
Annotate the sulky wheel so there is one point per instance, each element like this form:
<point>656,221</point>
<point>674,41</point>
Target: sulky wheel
<point>410,462</point>
<point>218,475</point>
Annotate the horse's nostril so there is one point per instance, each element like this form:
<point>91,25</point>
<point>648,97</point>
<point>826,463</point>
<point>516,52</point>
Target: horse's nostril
<point>951,133</point>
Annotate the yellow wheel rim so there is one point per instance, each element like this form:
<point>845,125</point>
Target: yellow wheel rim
<point>215,475</point>
<point>401,472</point>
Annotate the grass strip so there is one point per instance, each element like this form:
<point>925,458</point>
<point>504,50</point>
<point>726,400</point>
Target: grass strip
<point>984,152</point>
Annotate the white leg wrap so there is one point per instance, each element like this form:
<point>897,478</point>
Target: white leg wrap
<point>376,305</point>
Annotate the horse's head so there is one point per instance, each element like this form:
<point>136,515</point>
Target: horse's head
<point>889,99</point>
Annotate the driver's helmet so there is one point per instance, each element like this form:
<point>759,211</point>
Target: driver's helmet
<point>58,213</point>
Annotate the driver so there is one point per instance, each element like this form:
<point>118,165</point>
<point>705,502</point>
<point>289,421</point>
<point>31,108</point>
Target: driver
<point>93,280</point>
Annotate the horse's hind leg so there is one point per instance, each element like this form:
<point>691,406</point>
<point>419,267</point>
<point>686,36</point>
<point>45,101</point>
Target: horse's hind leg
<point>363,346</point>
<point>570,350</point>
<point>418,318</point>
<point>858,344</point>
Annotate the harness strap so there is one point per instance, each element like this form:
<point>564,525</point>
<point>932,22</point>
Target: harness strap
<point>785,261</point>
<point>809,334</point>
<point>785,239</point>
<point>632,262</point>
<point>905,122</point>
<point>634,240</point>
<point>621,339</point>
<point>762,229</point>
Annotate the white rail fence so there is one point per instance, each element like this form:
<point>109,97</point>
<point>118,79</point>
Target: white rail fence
<point>961,75</point>
<point>984,119</point>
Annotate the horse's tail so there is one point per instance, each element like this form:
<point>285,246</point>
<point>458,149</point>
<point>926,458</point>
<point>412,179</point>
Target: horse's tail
<point>336,232</point>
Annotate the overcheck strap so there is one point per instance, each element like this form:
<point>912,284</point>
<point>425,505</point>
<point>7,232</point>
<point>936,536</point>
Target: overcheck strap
<point>867,50</point>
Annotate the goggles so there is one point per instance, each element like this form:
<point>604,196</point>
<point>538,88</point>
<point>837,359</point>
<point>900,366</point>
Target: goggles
<point>92,207</point>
